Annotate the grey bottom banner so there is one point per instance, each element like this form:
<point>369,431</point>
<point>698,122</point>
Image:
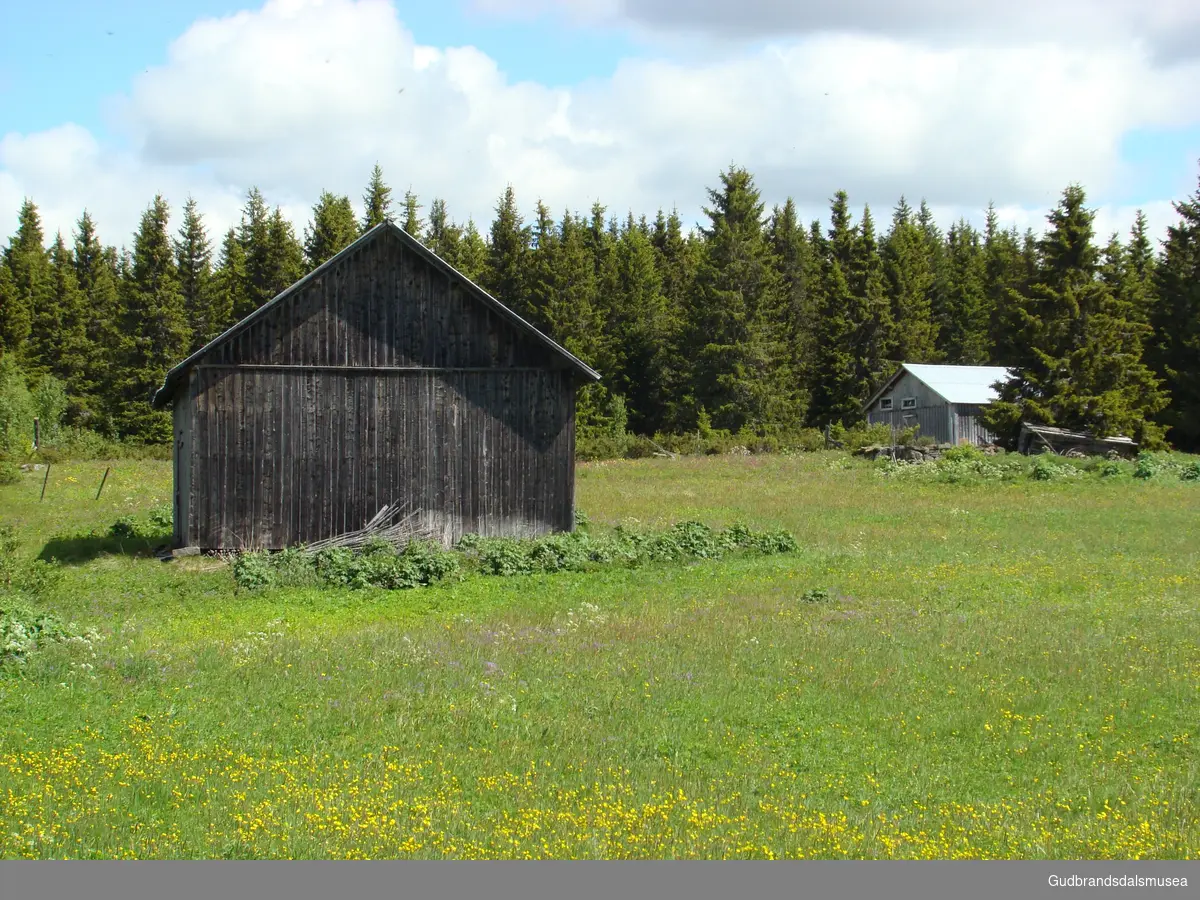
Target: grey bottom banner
<point>740,880</point>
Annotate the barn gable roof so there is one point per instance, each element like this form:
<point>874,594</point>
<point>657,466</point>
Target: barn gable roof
<point>164,394</point>
<point>971,385</point>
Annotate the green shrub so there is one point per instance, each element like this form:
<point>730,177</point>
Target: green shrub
<point>253,571</point>
<point>1112,468</point>
<point>964,453</point>
<point>378,564</point>
<point>1191,471</point>
<point>24,631</point>
<point>158,523</point>
<point>10,472</point>
<point>1049,468</point>
<point>816,595</point>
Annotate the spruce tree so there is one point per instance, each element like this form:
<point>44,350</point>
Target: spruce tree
<point>1084,367</point>
<point>97,278</point>
<point>377,201</point>
<point>193,259</point>
<point>472,254</point>
<point>68,349</point>
<point>570,314</point>
<point>875,338</point>
<point>508,248</point>
<point>742,373</point>
<point>254,236</point>
<point>791,256</point>
<point>154,324</point>
<point>29,266</point>
<point>14,324</point>
<point>540,284</point>
<point>1005,278</point>
<point>229,288</point>
<point>333,228</point>
<point>1175,315</point>
<point>285,255</point>
<point>961,311</point>
<point>642,330</point>
<point>675,258</point>
<point>412,215</point>
<point>908,272</point>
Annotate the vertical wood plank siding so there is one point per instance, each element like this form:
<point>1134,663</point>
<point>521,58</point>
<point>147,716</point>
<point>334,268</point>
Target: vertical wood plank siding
<point>275,446</point>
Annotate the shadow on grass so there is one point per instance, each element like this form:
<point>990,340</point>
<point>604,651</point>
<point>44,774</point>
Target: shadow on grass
<point>85,547</point>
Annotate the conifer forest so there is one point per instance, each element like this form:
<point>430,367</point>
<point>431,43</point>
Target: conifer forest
<point>751,320</point>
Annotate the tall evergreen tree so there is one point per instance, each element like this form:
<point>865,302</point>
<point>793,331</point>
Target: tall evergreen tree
<point>741,369</point>
<point>508,249</point>
<point>908,272</point>
<point>642,330</point>
<point>285,257</point>
<point>230,289</point>
<point>471,253</point>
<point>1175,349</point>
<point>412,215</point>
<point>29,265</point>
<point>97,278</point>
<point>14,324</point>
<point>1084,368</point>
<point>875,337</point>
<point>853,319</point>
<point>154,324</point>
<point>66,346</point>
<point>377,201</point>
<point>570,314</point>
<point>193,259</point>
<point>790,252</point>
<point>540,284</point>
<point>254,236</point>
<point>961,312</point>
<point>333,228</point>
<point>1005,277</point>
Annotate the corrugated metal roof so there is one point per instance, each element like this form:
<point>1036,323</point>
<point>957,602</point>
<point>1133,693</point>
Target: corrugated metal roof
<point>961,384</point>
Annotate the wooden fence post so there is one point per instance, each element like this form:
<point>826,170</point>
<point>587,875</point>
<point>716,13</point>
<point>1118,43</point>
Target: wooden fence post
<point>102,480</point>
<point>44,480</point>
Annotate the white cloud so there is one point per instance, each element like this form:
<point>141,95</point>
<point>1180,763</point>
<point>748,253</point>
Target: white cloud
<point>304,95</point>
<point>1171,28</point>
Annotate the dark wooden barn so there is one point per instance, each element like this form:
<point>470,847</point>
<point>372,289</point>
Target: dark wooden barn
<point>384,376</point>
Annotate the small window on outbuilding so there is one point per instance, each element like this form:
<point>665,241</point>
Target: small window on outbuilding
<point>908,403</point>
<point>885,404</point>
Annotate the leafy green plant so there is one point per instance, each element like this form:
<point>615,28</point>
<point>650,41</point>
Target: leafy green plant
<point>377,564</point>
<point>24,631</point>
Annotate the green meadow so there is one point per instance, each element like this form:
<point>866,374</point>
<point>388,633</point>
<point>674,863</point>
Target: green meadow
<point>948,670</point>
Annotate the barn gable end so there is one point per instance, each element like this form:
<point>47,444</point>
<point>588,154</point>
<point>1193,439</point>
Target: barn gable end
<point>382,377</point>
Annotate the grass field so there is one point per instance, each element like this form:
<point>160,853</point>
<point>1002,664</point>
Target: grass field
<point>1005,670</point>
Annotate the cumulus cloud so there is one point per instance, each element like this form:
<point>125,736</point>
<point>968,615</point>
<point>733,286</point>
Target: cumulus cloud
<point>308,94</point>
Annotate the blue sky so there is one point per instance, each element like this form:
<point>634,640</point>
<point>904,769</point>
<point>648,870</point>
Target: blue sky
<point>59,59</point>
<point>638,104</point>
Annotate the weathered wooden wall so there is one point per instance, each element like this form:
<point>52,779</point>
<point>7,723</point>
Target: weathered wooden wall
<point>931,414</point>
<point>944,422</point>
<point>380,381</point>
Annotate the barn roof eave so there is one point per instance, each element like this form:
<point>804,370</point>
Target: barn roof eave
<point>164,395</point>
<point>885,388</point>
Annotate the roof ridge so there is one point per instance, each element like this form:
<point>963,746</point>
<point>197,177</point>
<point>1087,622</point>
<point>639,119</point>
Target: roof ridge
<point>173,375</point>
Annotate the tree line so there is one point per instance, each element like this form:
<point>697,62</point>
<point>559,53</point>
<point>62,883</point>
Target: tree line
<point>753,321</point>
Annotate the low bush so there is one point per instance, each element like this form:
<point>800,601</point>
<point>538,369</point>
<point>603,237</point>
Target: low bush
<point>155,524</point>
<point>422,563</point>
<point>10,472</point>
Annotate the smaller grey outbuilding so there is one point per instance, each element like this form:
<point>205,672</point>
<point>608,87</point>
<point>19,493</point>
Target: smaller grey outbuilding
<point>945,402</point>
